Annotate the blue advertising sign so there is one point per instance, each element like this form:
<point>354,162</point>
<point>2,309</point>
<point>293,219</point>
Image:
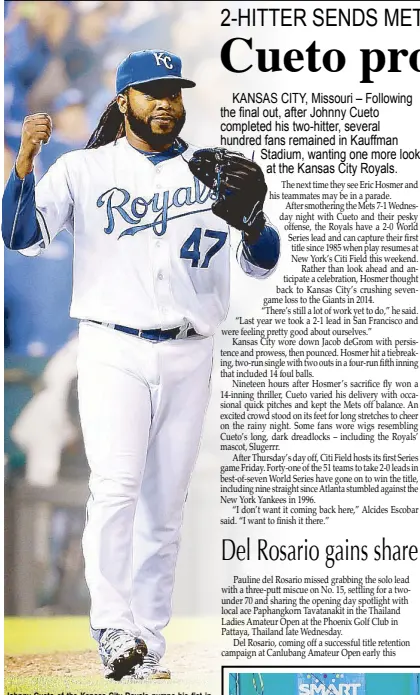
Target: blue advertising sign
<point>271,682</point>
<point>331,684</point>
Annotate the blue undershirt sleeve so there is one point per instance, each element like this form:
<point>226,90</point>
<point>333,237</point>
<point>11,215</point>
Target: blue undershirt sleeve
<point>20,228</point>
<point>266,251</point>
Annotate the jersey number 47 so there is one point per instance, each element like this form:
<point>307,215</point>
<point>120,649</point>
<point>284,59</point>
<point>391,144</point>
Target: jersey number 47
<point>190,250</point>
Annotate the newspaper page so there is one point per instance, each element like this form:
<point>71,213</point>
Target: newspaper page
<point>287,470</point>
<point>318,375</point>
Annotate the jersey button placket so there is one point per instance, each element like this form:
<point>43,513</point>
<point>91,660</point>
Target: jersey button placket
<point>164,276</point>
<point>156,259</point>
<point>159,277</point>
<point>162,260</point>
<point>158,184</point>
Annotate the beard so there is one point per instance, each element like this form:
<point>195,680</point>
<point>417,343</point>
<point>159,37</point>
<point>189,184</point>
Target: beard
<point>143,129</point>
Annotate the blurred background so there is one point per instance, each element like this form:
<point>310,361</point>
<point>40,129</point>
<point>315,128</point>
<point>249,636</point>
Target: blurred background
<point>60,58</point>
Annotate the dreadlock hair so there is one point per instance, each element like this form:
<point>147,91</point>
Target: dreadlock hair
<point>111,126</point>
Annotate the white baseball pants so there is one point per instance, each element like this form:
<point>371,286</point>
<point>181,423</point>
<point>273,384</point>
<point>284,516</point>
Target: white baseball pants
<point>142,407</point>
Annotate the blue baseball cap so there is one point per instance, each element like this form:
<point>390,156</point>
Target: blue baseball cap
<point>150,66</point>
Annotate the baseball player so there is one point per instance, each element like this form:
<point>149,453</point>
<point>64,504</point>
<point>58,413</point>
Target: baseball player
<point>151,218</point>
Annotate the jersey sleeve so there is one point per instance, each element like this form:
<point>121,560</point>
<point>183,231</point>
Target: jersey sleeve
<point>20,228</point>
<point>260,259</point>
<point>36,214</point>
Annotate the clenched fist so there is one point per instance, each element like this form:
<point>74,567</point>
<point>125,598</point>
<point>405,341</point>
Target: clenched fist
<point>36,130</point>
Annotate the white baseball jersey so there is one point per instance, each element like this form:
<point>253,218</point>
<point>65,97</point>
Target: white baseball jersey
<point>148,251</point>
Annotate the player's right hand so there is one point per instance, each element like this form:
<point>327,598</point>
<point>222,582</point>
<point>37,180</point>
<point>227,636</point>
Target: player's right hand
<point>36,130</point>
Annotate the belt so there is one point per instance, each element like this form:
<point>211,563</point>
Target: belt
<point>155,334</point>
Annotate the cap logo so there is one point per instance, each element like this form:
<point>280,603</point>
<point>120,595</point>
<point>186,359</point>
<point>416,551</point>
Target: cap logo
<point>165,59</point>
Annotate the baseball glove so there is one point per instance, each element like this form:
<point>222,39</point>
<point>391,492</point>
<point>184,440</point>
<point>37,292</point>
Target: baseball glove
<point>238,186</point>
